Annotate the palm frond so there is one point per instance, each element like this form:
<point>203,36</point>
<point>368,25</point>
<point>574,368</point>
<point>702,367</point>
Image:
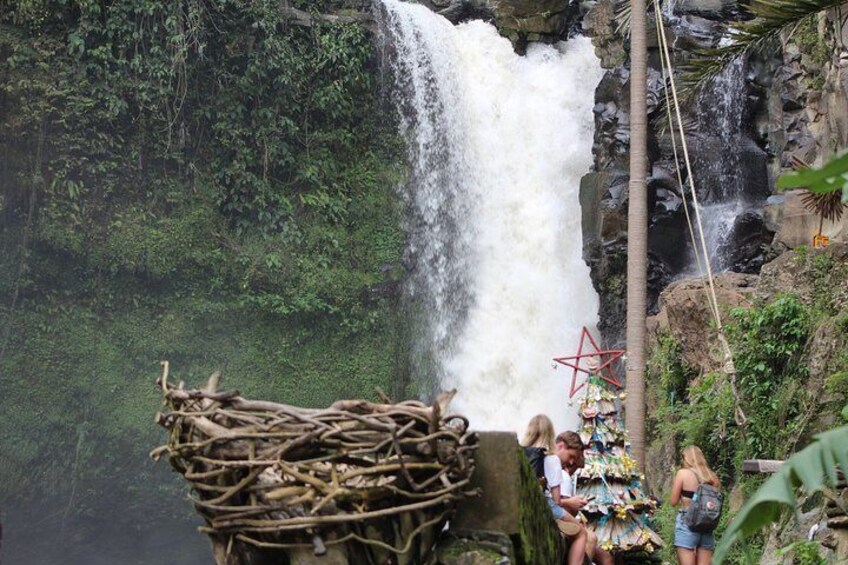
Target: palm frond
<point>815,467</point>
<point>771,19</point>
<point>826,205</point>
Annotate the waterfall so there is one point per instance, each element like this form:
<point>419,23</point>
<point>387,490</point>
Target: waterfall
<point>721,109</point>
<point>497,146</point>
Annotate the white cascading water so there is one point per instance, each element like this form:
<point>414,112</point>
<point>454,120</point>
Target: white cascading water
<point>719,115</point>
<point>498,144</point>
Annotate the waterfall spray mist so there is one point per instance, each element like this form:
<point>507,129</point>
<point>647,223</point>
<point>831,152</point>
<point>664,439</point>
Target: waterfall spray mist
<point>497,146</point>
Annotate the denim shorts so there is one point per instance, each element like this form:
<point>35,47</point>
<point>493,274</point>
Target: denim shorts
<point>559,512</point>
<point>687,539</point>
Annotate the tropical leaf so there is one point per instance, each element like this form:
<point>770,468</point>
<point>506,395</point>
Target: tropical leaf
<point>826,205</point>
<point>814,468</point>
<point>832,177</point>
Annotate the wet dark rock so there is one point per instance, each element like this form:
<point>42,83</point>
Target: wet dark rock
<point>693,33</point>
<point>666,201</point>
<point>667,235</point>
<point>464,10</point>
<point>592,189</point>
<point>617,188</point>
<point>711,9</point>
<point>612,121</point>
<point>660,275</point>
<point>608,264</point>
<point>754,171</point>
<point>748,244</point>
<point>790,104</point>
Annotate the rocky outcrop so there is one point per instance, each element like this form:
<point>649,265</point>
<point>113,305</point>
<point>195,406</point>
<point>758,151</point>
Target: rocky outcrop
<point>685,313</point>
<point>795,225</point>
<point>808,101</point>
<point>535,20</point>
<point>813,276</point>
<point>522,21</point>
<point>600,24</point>
<point>807,120</point>
<point>817,278</point>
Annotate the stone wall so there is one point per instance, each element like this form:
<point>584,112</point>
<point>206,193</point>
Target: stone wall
<point>510,503</point>
<point>808,121</point>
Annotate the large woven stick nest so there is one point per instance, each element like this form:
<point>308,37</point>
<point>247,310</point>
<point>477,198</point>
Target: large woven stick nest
<point>380,478</point>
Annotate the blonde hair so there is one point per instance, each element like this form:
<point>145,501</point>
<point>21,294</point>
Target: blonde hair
<point>693,459</point>
<point>540,433</point>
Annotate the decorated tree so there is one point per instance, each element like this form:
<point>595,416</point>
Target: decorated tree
<point>618,510</point>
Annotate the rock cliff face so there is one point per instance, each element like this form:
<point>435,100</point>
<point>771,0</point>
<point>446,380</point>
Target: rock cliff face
<point>522,21</point>
<point>744,129</point>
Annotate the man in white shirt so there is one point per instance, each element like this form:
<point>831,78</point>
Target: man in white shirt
<point>569,448</point>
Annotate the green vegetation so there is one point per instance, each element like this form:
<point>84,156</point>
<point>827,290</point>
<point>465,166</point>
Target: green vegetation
<point>203,183</point>
<point>804,552</point>
<point>815,467</point>
<point>769,346</point>
<point>791,382</point>
<point>815,49</point>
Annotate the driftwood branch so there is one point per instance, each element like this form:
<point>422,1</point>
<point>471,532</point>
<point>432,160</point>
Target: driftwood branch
<point>269,475</point>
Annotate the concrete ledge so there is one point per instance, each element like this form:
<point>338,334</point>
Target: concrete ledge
<point>496,475</point>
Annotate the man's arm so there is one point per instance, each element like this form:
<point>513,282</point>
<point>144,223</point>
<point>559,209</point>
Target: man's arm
<point>573,504</point>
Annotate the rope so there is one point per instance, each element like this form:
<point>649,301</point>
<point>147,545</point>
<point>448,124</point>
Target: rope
<point>680,182</point>
<point>728,365</point>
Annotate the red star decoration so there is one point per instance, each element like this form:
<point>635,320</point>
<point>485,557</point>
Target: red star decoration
<point>606,356</point>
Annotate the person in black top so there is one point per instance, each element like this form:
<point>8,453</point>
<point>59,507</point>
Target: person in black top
<point>693,548</point>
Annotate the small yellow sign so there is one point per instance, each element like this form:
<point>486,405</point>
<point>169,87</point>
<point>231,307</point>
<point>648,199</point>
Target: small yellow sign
<point>820,241</point>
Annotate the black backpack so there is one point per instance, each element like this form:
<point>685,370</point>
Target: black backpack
<point>536,457</point>
<point>703,514</point>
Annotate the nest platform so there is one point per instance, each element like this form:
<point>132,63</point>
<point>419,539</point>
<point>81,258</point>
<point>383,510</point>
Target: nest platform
<point>373,482</point>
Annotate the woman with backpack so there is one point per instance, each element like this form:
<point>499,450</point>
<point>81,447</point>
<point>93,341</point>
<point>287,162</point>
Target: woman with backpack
<point>697,490</point>
<point>539,440</point>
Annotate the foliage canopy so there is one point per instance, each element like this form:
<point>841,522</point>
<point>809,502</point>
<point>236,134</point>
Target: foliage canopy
<point>190,180</point>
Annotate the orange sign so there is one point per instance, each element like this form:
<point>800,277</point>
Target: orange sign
<point>820,241</point>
